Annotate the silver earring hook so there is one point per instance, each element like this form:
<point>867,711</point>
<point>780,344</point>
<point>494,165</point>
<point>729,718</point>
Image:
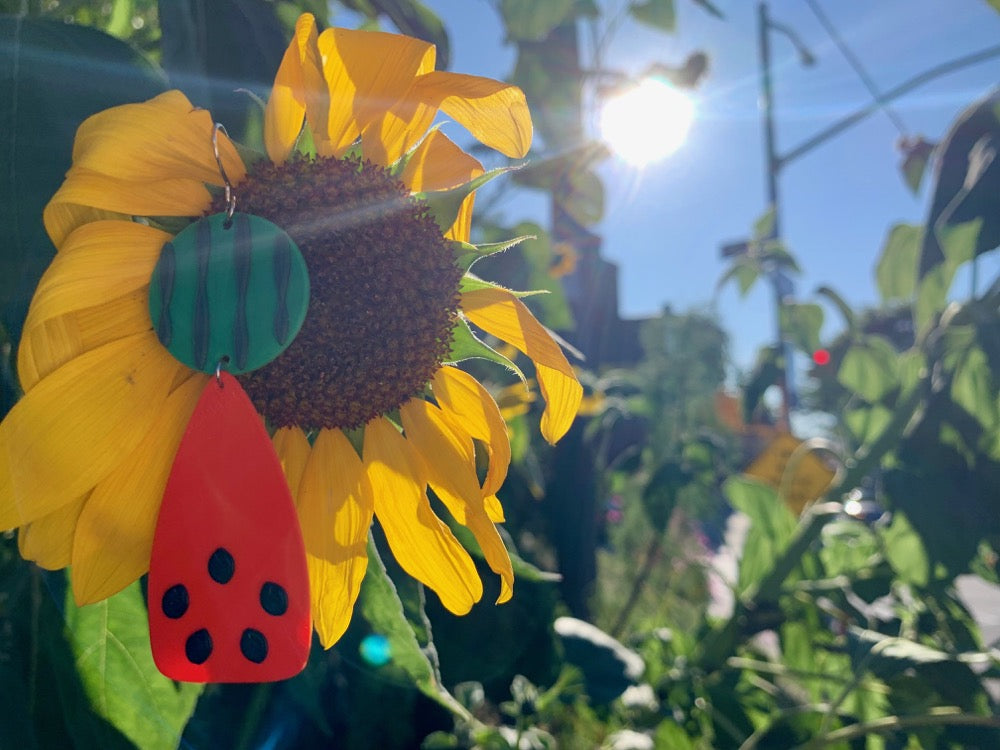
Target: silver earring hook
<point>230,195</point>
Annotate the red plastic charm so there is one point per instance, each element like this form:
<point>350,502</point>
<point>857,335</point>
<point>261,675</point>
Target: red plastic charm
<point>228,584</point>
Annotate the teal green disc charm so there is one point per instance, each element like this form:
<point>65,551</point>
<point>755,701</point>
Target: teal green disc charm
<point>229,293</point>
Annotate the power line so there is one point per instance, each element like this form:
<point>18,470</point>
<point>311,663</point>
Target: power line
<point>856,64</point>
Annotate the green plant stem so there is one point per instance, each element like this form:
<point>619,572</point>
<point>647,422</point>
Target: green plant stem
<point>648,563</point>
<point>940,716</point>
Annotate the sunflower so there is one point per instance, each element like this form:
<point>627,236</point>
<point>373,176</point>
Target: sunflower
<point>366,406</point>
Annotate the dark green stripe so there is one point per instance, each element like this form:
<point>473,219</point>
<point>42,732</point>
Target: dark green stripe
<point>200,323</point>
<point>167,269</point>
<point>282,278</point>
<point>241,265</point>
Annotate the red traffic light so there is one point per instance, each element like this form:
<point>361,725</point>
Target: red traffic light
<point>821,357</point>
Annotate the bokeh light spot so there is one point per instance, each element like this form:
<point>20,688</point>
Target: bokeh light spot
<point>376,650</point>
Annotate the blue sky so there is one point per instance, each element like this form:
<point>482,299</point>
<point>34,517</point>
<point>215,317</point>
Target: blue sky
<point>664,225</point>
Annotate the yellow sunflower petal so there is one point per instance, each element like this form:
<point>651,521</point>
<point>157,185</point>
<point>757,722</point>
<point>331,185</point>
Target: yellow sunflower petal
<point>335,511</point>
<point>75,426</point>
<point>298,88</point>
<point>450,461</point>
<point>99,261</point>
<point>177,196</point>
<point>150,147</point>
<point>48,541</point>
<point>114,534</point>
<point>461,230</point>
<point>162,138</point>
<point>496,113</point>
<point>423,545</point>
<point>367,73</point>
<point>503,315</point>
<point>292,447</point>
<point>468,405</point>
<point>63,218</point>
<point>439,164</point>
<point>52,343</point>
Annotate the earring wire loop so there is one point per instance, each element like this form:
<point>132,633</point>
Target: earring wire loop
<point>230,195</point>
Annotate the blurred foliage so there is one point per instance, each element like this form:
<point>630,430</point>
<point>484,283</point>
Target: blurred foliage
<point>842,627</point>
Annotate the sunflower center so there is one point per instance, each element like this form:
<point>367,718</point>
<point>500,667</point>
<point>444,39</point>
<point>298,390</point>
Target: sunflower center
<point>383,292</point>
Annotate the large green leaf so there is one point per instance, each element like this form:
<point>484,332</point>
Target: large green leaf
<point>110,641</point>
<point>896,272</point>
<point>870,368</point>
<point>530,20</point>
<point>906,552</point>
<point>52,77</point>
<point>382,608</point>
<point>659,14</point>
<point>974,387</point>
<point>867,422</point>
<point>967,183</point>
<point>771,526</point>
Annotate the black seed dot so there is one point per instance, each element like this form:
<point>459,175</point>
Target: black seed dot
<point>221,566</point>
<point>273,599</point>
<point>198,647</point>
<point>175,601</point>
<point>253,644</point>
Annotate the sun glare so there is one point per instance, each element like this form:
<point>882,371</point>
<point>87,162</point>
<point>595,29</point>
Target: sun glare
<point>647,122</point>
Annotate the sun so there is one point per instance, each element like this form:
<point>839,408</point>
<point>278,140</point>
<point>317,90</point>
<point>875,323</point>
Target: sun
<point>647,122</point>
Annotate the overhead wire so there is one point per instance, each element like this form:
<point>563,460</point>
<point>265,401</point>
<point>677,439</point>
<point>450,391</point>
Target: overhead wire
<point>856,64</point>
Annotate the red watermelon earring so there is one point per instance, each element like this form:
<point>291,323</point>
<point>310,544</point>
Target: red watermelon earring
<point>228,583</point>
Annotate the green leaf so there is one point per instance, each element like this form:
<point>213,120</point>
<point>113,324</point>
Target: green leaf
<point>608,666</point>
<point>466,253</point>
<point>445,204</point>
<point>771,526</point>
<point>973,388</point>
<point>896,273</point>
<point>381,607</point>
<point>967,183</point>
<point>905,551</point>
<point>466,345</point>
<point>932,295</point>
<point>52,77</point>
<point>958,241</point>
<point>886,656</point>
<point>659,14</point>
<point>532,21</point>
<point>870,368</point>
<point>839,303</point>
<point>763,227</point>
<point>801,324</point>
<point>111,643</point>
<point>867,423</point>
<point>916,155</point>
<point>584,200</point>
<point>744,271</point>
